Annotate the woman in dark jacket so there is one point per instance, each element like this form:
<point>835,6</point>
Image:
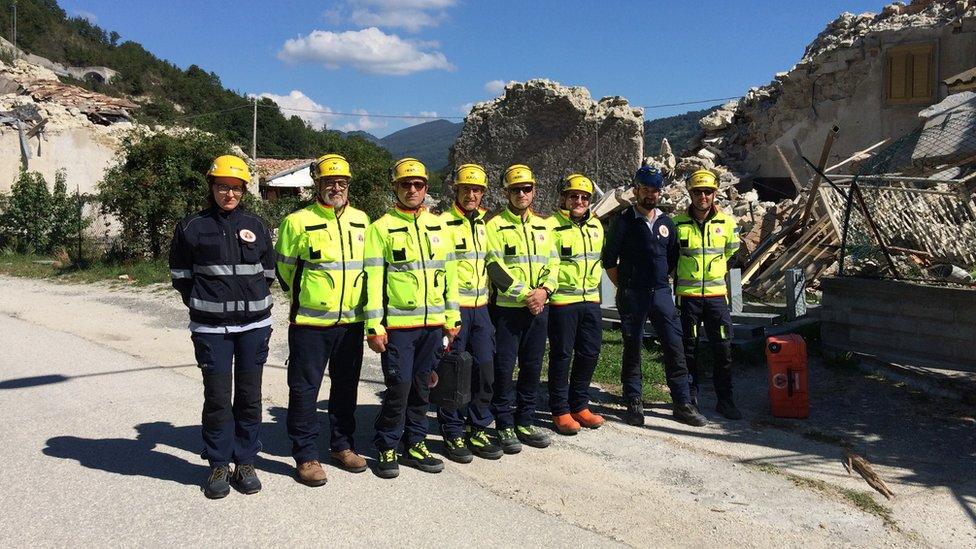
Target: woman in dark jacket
<point>222,263</point>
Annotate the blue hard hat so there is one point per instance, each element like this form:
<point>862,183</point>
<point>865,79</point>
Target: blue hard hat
<point>649,176</point>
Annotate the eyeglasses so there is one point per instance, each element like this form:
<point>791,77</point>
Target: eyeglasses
<point>225,189</point>
<point>580,197</point>
<point>335,184</point>
<point>407,185</point>
<point>525,189</point>
<point>702,192</point>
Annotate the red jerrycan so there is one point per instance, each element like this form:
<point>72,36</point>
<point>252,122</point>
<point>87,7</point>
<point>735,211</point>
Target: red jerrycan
<point>786,358</point>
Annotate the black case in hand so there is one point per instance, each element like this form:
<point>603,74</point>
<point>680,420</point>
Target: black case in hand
<point>453,389</point>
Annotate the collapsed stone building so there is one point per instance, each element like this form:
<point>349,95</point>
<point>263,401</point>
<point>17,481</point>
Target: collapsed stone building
<point>556,130</point>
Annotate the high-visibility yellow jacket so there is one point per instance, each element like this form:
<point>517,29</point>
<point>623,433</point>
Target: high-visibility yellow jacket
<point>470,242</point>
<point>705,251</point>
<point>579,246</point>
<point>410,281</point>
<point>521,256</point>
<point>320,264</point>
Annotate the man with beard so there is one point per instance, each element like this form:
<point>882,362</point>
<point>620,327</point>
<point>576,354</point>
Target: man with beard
<point>708,237</point>
<point>640,251</point>
<point>320,266</point>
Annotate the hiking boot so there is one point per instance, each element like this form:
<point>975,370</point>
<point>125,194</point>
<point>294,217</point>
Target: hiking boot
<point>727,408</point>
<point>418,457</point>
<point>348,460</point>
<point>634,414</point>
<point>687,413</point>
<point>386,465</point>
<point>588,419</point>
<point>457,450</point>
<point>509,442</point>
<point>245,479</point>
<point>218,485</point>
<point>535,438</point>
<point>483,447</point>
<point>565,424</point>
<point>311,473</point>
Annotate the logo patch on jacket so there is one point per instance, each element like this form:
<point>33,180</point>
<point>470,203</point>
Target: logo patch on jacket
<point>663,231</point>
<point>247,235</point>
<point>541,237</point>
<point>718,230</point>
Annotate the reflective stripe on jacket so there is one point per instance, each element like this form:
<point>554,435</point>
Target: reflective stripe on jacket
<point>705,251</point>
<point>410,280</point>
<point>470,241</point>
<point>320,264</point>
<point>524,255</point>
<point>579,246</point>
<point>222,263</point>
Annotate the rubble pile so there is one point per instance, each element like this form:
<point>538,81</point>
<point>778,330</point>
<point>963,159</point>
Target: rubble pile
<point>556,130</point>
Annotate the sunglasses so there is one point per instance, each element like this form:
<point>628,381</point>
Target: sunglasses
<point>580,197</point>
<point>341,185</point>
<point>225,189</point>
<point>526,189</point>
<point>702,192</point>
<point>407,185</point>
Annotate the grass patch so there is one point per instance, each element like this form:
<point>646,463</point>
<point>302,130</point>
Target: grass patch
<point>858,498</point>
<point>141,273</point>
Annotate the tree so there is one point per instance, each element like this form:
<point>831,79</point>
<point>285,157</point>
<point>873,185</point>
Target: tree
<point>27,215</point>
<point>156,181</point>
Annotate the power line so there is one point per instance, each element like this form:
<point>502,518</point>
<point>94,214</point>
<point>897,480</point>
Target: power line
<point>323,111</point>
<point>187,117</point>
<point>716,100</point>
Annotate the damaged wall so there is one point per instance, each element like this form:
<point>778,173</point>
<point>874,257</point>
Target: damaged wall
<point>842,80</point>
<point>556,130</point>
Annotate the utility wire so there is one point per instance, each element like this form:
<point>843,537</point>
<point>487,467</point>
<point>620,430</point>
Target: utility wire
<point>211,112</point>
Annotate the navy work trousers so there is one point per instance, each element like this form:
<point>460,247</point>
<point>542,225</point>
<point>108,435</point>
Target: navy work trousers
<point>231,364</point>
<point>477,336</point>
<point>635,307</point>
<point>407,363</point>
<point>310,351</point>
<point>521,336</point>
<point>575,335</point>
<point>716,316</point>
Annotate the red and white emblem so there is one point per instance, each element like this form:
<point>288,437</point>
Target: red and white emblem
<point>247,235</point>
<point>361,238</point>
<point>718,230</point>
<point>541,237</point>
<point>663,231</point>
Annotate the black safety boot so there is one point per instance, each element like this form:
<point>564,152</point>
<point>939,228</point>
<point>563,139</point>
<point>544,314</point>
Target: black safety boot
<point>218,485</point>
<point>635,413</point>
<point>457,449</point>
<point>245,479</point>
<point>687,413</point>
<point>418,457</point>
<point>483,447</point>
<point>532,436</point>
<point>509,442</point>
<point>386,465</point>
<point>728,408</point>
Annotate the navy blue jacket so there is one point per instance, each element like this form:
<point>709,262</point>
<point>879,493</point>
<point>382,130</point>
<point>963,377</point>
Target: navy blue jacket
<point>222,263</point>
<point>642,255</point>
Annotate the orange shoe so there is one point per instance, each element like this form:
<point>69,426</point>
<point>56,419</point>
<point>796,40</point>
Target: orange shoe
<point>565,424</point>
<point>588,419</point>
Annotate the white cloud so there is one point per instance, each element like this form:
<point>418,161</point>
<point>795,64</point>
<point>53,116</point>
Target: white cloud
<point>368,50</point>
<point>466,108</point>
<point>332,17</point>
<point>87,15</point>
<point>363,123</point>
<point>298,104</point>
<point>411,15</point>
<point>495,87</point>
<point>424,116</point>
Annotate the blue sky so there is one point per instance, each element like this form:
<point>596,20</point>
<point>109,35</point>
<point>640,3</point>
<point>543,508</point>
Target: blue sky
<point>437,57</point>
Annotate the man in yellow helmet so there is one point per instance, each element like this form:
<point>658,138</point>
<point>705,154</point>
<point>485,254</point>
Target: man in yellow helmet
<point>575,319</point>
<point>708,238</point>
<point>411,302</point>
<point>320,267</point>
<point>222,263</point>
<point>465,222</point>
<point>523,265</point>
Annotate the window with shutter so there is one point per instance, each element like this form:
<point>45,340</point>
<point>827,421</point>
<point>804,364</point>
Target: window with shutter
<point>910,74</point>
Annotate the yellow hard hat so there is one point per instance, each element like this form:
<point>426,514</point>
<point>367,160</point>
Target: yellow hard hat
<point>408,167</point>
<point>517,174</point>
<point>330,165</point>
<point>470,174</point>
<point>702,179</point>
<point>577,182</point>
<point>229,165</point>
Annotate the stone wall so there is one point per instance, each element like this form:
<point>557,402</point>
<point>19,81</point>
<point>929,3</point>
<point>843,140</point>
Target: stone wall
<point>901,321</point>
<point>555,130</point>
